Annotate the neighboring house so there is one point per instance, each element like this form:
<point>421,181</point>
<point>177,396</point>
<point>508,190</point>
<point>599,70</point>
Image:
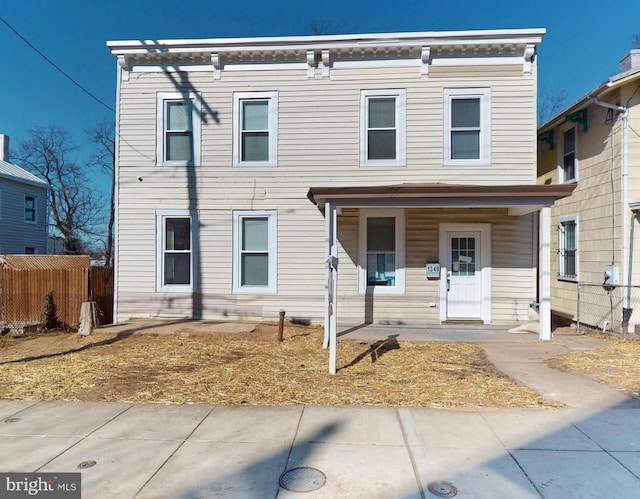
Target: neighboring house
<point>248,168</point>
<point>23,208</point>
<point>594,144</point>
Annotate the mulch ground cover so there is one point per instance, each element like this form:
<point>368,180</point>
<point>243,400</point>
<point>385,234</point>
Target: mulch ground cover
<point>253,368</point>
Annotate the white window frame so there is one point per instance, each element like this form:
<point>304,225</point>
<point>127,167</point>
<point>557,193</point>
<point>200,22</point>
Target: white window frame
<point>35,209</point>
<point>400,216</point>
<point>401,134</point>
<point>161,99</point>
<point>484,94</point>
<point>562,221</point>
<point>562,178</point>
<point>161,216</point>
<point>272,249</point>
<point>238,99</point>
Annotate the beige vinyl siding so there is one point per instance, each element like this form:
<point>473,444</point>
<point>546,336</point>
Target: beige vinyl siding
<point>318,145</point>
<point>497,71</point>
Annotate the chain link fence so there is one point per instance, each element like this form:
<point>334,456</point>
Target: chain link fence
<point>22,312</point>
<point>613,309</point>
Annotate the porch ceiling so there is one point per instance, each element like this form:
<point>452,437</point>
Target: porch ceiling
<point>520,199</point>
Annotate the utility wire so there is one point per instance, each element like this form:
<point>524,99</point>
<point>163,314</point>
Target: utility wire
<point>56,66</point>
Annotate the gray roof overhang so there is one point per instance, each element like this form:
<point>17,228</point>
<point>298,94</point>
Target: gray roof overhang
<point>442,196</point>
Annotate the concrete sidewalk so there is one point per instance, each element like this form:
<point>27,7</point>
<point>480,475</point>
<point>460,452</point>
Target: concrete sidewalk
<point>591,449</point>
<point>126,450</point>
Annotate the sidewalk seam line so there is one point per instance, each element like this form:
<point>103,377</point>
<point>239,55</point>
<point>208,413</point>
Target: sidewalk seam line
<point>82,437</point>
<point>293,444</point>
<point>174,452</point>
<point>411,438</point>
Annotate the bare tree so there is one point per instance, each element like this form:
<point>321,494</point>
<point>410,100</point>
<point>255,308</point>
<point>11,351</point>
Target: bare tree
<point>74,206</point>
<point>103,136</point>
<point>550,103</point>
<point>322,26</point>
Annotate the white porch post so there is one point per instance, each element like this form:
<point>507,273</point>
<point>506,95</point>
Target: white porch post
<point>331,294</point>
<point>328,287</point>
<point>544,273</point>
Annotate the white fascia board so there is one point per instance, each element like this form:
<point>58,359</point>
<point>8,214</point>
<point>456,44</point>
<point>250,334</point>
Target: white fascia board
<point>35,183</point>
<point>433,38</point>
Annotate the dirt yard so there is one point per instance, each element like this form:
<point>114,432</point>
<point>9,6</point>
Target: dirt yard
<point>253,368</point>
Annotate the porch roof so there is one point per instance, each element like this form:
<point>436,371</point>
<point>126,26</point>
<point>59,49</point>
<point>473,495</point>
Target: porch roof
<point>440,195</point>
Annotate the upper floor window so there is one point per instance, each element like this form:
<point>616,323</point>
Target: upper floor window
<point>255,132</point>
<point>255,259</point>
<point>567,248</point>
<point>467,121</point>
<point>29,250</point>
<point>30,210</point>
<point>178,128</point>
<point>568,158</point>
<point>175,232</point>
<point>382,127</point>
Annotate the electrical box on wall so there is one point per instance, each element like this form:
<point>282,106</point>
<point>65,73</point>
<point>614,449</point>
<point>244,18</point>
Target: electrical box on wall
<point>433,270</point>
<point>610,275</point>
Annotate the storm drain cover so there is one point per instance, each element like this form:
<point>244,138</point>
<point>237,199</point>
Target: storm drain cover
<point>441,488</point>
<point>302,479</point>
<point>12,420</point>
<point>86,464</point>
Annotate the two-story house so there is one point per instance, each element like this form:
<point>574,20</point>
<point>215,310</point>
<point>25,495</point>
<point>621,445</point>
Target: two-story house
<point>24,223</point>
<point>594,144</point>
<point>252,172</point>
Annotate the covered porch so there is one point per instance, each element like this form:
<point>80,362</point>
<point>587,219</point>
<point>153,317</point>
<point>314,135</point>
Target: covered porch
<point>470,245</point>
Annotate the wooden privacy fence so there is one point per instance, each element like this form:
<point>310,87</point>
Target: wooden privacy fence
<point>23,295</point>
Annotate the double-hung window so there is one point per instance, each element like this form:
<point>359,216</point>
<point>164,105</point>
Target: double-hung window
<point>467,126</point>
<point>382,242</point>
<point>567,248</point>
<point>567,160</point>
<point>178,128</point>
<point>255,132</point>
<point>382,127</point>
<point>30,210</point>
<point>176,232</point>
<point>255,251</point>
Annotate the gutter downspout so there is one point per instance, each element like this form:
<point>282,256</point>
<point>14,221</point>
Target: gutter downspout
<point>626,254</point>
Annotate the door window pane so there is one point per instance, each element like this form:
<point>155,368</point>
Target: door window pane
<point>463,256</point>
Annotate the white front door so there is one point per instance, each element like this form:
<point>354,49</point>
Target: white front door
<point>464,293</point>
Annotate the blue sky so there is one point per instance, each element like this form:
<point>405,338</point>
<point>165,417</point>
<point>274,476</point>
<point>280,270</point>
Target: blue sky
<point>583,45</point>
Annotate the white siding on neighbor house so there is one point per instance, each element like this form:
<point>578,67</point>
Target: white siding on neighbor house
<point>15,233</point>
<point>318,145</point>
